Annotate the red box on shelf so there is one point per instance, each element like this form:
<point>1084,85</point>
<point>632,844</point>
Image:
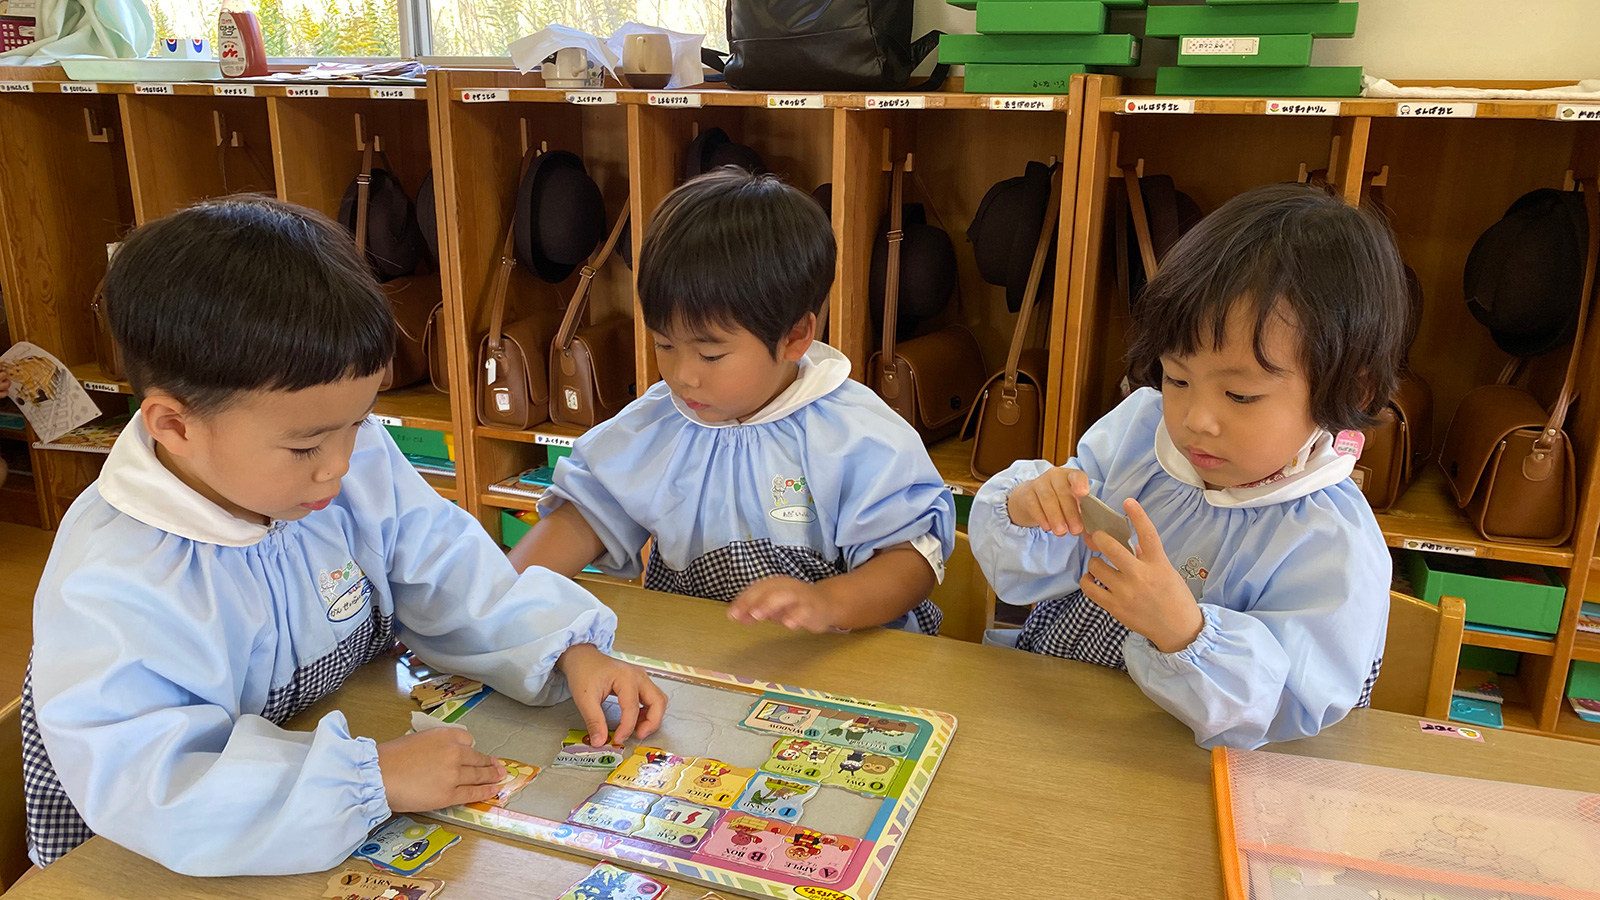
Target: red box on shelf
<point>15,32</point>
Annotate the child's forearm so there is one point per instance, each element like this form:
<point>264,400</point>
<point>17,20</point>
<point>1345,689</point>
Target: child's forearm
<point>562,542</point>
<point>882,589</point>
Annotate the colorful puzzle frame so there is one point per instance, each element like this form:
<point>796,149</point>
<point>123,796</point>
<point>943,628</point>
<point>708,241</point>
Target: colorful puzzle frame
<point>868,865</point>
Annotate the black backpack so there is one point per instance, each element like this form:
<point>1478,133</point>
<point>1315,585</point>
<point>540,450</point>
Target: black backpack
<point>825,45</point>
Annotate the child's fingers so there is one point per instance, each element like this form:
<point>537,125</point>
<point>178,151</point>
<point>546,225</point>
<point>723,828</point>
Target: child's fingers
<point>1097,593</point>
<point>482,774</point>
<point>473,793</point>
<point>628,699</point>
<point>1149,540</point>
<point>1051,517</point>
<point>594,717</point>
<point>654,701</point>
<point>1102,571</point>
<point>1114,552</point>
<point>1078,481</point>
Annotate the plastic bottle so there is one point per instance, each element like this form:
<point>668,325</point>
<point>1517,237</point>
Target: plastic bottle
<point>240,49</point>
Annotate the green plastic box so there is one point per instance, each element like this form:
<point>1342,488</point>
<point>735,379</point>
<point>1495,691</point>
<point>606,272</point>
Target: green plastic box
<point>1010,17</point>
<point>423,442</point>
<point>1584,680</point>
<point>1262,2</point>
<point>1490,659</point>
<point>985,78</point>
<point>511,528</point>
<point>1279,50</point>
<point>1532,602</point>
<point>1114,4</point>
<point>1318,81</point>
<point>1326,20</point>
<point>1040,49</point>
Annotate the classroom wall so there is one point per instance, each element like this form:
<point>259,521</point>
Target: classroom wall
<point>1490,39</point>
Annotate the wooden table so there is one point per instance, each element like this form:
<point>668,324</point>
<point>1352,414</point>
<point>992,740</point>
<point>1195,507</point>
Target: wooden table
<point>1062,778</point>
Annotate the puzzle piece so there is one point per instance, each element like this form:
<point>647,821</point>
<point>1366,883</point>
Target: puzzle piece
<point>712,781</point>
<point>800,758</point>
<point>863,772</point>
<point>775,797</point>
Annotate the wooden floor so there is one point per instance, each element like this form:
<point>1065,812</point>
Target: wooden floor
<point>22,555</point>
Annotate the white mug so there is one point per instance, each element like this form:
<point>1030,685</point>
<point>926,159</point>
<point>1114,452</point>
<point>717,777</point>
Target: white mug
<point>647,60</point>
<point>570,68</point>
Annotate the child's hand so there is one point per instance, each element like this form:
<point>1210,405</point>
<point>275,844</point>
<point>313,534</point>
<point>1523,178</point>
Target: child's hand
<point>436,768</point>
<point>787,601</point>
<point>1050,501</point>
<point>1144,592</point>
<point>593,676</point>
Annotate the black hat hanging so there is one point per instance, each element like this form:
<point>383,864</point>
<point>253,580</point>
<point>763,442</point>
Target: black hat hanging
<point>1005,233</point>
<point>712,149</point>
<point>1524,276</point>
<point>395,244</point>
<point>927,270</point>
<point>561,216</point>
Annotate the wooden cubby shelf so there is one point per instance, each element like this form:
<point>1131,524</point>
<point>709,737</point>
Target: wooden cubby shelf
<point>78,171</point>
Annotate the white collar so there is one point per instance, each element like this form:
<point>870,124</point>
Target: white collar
<point>822,370</point>
<point>1321,463</point>
<point>138,485</point>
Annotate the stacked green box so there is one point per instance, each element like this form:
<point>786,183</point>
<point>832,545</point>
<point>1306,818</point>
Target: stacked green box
<point>1036,46</point>
<point>1254,48</point>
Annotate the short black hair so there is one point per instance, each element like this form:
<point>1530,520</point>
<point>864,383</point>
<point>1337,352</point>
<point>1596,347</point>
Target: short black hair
<point>1296,251</point>
<point>734,249</point>
<point>244,294</point>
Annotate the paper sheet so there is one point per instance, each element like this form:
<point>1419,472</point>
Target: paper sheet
<point>51,400</point>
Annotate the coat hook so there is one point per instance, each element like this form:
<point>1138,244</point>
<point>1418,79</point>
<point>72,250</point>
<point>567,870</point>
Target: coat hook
<point>224,137</point>
<point>1302,176</point>
<point>98,134</point>
<point>1114,169</point>
<point>694,130</point>
<point>362,137</point>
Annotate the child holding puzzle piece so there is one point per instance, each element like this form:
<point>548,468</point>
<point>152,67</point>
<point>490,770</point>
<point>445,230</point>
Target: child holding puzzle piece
<point>1254,603</point>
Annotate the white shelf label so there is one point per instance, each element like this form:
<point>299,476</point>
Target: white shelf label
<point>1303,107</point>
<point>233,90</point>
<point>1181,106</point>
<point>16,87</point>
<point>553,440</point>
<point>486,95</point>
<point>1436,547</point>
<point>306,90</point>
<point>1221,46</point>
<point>393,93</point>
<point>673,98</point>
<point>388,420</point>
<point>1027,104</point>
<point>101,386</point>
<point>896,101</point>
<point>794,101</point>
<point>592,98</point>
<point>1572,112</point>
<point>79,87</point>
<point>1437,111</point>
<point>165,89</point>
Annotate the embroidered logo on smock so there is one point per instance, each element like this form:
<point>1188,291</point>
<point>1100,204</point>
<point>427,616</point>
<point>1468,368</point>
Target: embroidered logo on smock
<point>1195,571</point>
<point>791,500</point>
<point>345,591</point>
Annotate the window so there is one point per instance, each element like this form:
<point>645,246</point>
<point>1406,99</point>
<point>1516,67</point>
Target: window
<point>296,29</point>
<point>300,29</point>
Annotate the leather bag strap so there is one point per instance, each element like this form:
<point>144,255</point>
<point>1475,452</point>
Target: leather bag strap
<point>1558,413</point>
<point>891,279</point>
<point>363,197</point>
<point>580,296</point>
<point>502,275</point>
<point>1141,223</point>
<point>1041,252</point>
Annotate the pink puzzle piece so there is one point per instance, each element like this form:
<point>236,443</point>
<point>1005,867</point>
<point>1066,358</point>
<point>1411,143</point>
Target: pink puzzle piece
<point>813,855</point>
<point>746,839</point>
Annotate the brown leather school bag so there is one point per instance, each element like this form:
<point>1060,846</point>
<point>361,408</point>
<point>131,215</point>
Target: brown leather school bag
<point>1398,446</point>
<point>512,387</point>
<point>412,298</point>
<point>932,380</point>
<point>591,367</point>
<point>1009,416</point>
<point>1508,460</point>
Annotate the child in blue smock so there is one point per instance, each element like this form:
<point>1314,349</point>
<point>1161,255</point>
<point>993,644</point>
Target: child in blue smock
<point>764,474</point>
<point>253,538</point>
<point>1255,604</point>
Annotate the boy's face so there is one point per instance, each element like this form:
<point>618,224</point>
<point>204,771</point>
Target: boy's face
<point>271,454</point>
<point>728,375</point>
<point>1235,421</point>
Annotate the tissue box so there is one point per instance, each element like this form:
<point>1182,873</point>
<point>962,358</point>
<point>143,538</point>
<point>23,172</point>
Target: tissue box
<point>16,32</point>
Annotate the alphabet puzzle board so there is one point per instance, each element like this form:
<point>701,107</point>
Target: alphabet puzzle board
<point>1297,828</point>
<point>750,787</point>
